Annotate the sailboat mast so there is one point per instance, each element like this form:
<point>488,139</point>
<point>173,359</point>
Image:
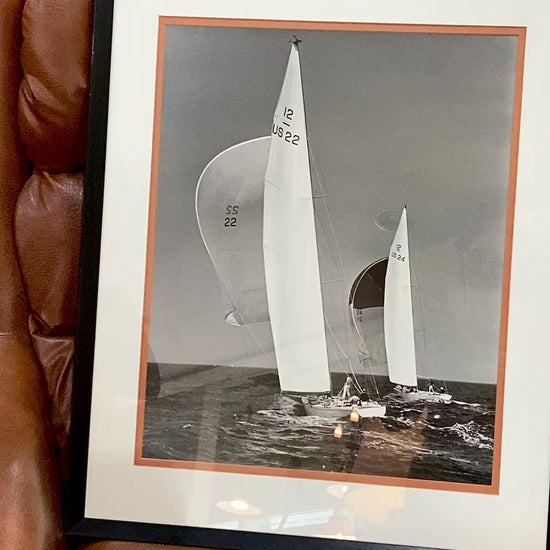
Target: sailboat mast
<point>296,42</point>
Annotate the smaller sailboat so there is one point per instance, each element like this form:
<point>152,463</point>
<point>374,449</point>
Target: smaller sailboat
<point>399,324</point>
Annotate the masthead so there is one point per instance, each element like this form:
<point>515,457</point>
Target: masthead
<point>295,40</point>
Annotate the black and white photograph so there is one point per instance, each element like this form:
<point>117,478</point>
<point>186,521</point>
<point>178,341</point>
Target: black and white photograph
<point>330,253</point>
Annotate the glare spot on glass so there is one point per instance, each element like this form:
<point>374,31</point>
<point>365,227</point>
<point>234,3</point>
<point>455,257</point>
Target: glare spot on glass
<point>337,491</point>
<point>239,505</point>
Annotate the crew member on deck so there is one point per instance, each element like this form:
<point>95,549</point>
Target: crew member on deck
<point>346,390</point>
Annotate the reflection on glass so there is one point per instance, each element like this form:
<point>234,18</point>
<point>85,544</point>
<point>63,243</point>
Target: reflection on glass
<point>239,506</point>
<point>374,503</point>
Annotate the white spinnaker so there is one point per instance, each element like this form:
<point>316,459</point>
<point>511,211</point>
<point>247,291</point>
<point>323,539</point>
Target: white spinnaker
<point>290,247</point>
<point>398,313</point>
<point>229,207</point>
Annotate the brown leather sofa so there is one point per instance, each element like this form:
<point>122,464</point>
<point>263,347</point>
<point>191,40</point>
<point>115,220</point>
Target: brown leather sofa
<point>44,74</point>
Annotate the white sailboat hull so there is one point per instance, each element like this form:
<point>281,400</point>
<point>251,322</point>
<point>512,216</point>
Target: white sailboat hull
<point>432,397</point>
<point>337,408</point>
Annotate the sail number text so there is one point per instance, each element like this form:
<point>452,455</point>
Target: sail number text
<point>232,212</point>
<point>397,254</point>
<point>282,131</point>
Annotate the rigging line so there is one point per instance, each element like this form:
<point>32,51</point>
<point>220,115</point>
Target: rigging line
<point>331,226</point>
<point>357,330</point>
<point>355,289</point>
<point>355,381</point>
<point>311,161</point>
<point>224,289</point>
<point>336,341</point>
<point>222,284</point>
<point>352,301</point>
<point>354,320</point>
<point>245,323</point>
<point>323,189</point>
<point>370,370</point>
<point>251,332</point>
<point>337,345</point>
<point>372,375</point>
<point>425,324</point>
<point>340,364</point>
<point>244,345</point>
<point>331,241</point>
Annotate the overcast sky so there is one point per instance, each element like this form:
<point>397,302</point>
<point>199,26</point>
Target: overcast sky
<point>393,118</point>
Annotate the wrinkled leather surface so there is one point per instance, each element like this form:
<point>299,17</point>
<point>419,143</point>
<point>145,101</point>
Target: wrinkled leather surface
<point>13,167</point>
<point>53,100</point>
<point>29,485</point>
<point>48,226</point>
<point>55,354</point>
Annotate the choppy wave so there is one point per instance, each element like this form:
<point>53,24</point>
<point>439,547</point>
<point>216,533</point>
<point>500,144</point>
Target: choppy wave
<point>471,434</point>
<point>255,425</point>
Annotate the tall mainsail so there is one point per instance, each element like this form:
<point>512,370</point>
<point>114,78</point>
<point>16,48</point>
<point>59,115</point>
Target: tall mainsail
<point>290,247</point>
<point>398,313</point>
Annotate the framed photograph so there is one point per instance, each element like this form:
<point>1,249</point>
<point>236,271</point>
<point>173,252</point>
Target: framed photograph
<point>314,295</point>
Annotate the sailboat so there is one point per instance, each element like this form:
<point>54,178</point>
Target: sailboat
<point>399,323</point>
<point>289,243</point>
<point>292,273</point>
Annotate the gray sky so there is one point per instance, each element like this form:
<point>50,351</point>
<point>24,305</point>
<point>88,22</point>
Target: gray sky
<point>393,118</point>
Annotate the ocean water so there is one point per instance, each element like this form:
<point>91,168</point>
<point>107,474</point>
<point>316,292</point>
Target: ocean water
<point>238,416</point>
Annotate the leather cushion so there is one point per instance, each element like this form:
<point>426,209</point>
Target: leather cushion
<point>47,230</point>
<point>56,355</point>
<point>13,167</point>
<point>48,225</point>
<point>53,105</point>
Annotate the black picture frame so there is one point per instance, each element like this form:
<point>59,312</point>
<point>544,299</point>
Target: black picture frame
<point>80,529</point>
